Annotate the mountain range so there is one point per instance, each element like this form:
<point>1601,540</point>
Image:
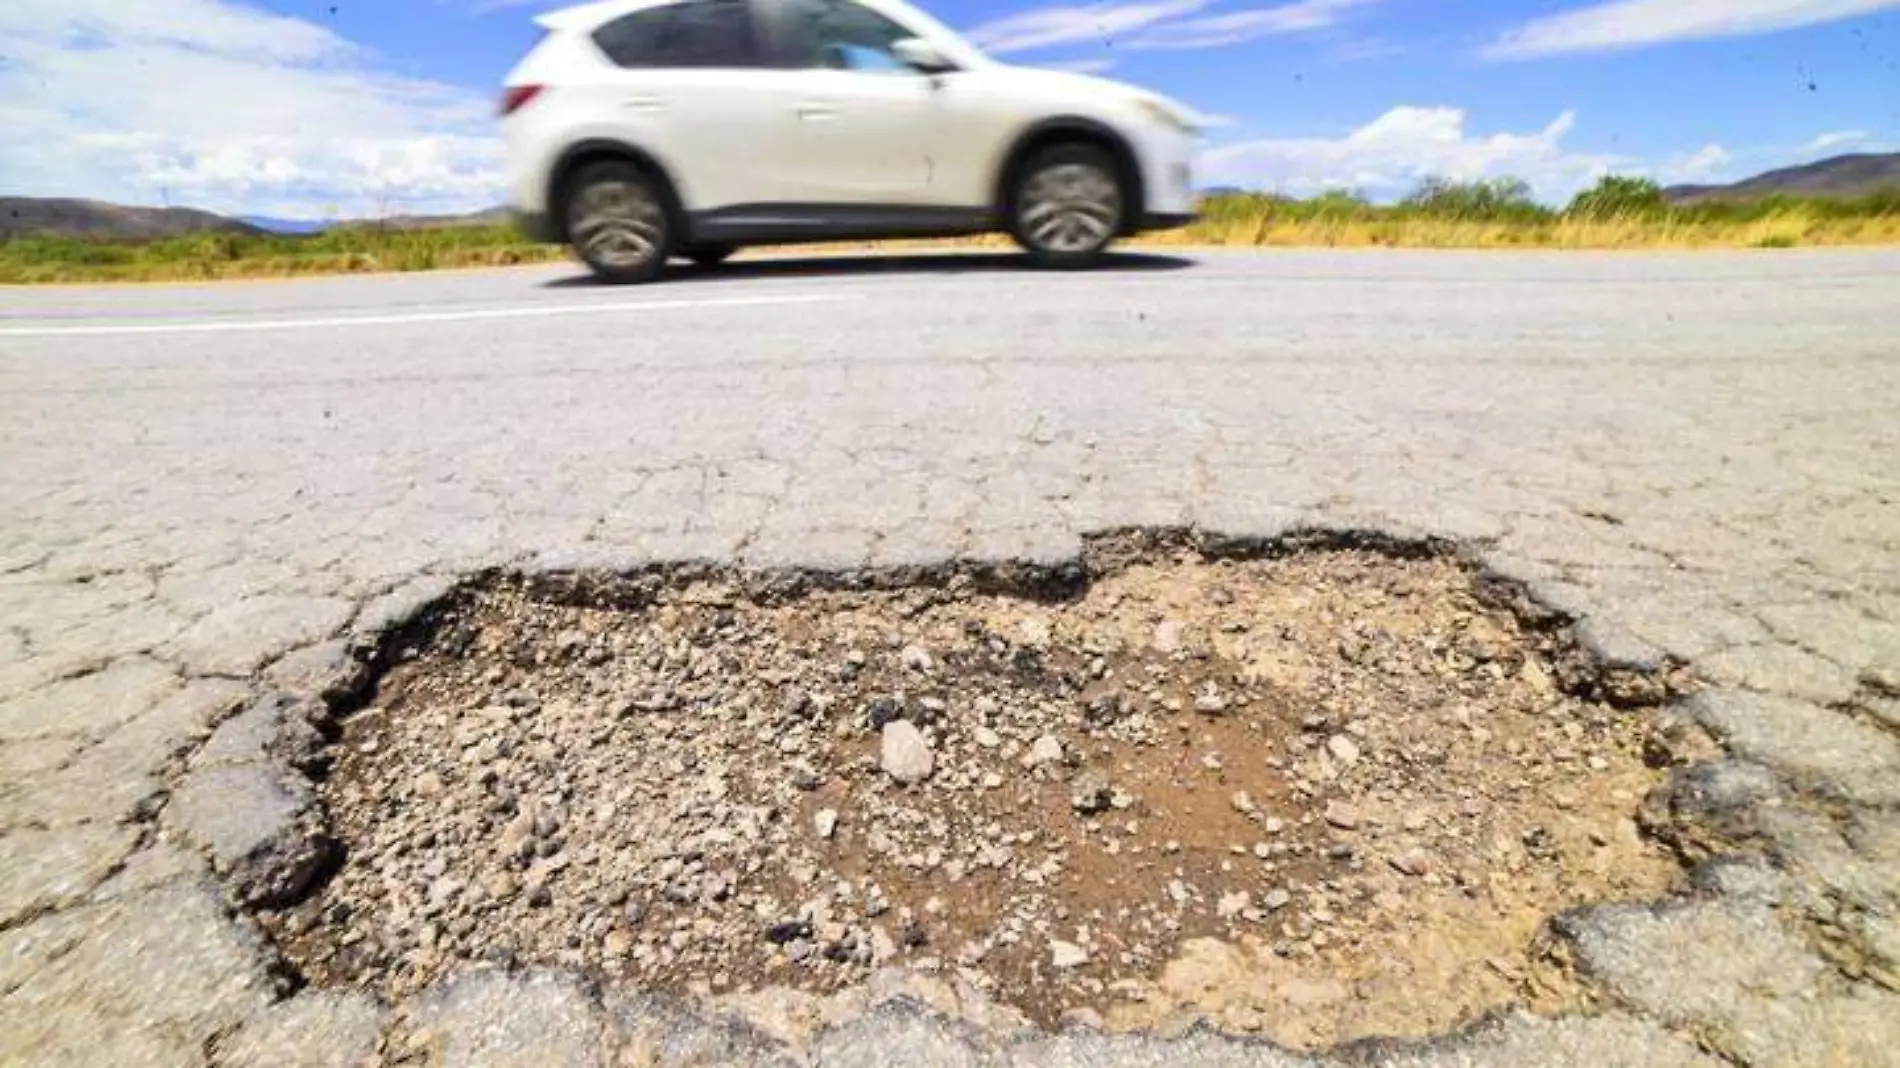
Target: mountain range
<point>1840,176</point>
<point>65,217</point>
<point>20,216</point>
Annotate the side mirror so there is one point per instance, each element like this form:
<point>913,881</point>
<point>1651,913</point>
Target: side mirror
<point>922,55</point>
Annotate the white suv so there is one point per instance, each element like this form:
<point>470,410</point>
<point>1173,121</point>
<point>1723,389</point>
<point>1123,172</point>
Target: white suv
<point>643,129</point>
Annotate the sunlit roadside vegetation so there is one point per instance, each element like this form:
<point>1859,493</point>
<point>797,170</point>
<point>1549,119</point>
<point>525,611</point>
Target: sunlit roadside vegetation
<point>1616,213</point>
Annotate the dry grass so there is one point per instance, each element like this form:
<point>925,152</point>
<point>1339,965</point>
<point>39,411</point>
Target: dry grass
<point>1442,217</point>
<point>1776,231</point>
<point>219,256</point>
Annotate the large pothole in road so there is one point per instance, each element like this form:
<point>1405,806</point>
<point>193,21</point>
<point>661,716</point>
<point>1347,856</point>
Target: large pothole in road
<point>1320,796</point>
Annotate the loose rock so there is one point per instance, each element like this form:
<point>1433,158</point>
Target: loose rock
<point>1046,751</point>
<point>1343,749</point>
<point>1066,955</point>
<point>907,757</point>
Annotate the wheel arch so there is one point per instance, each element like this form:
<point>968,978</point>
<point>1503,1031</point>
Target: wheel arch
<point>1072,129</point>
<point>583,154</point>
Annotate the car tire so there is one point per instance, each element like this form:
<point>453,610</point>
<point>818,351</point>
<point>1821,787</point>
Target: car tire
<point>710,255</point>
<point>1068,205</point>
<point>619,222</point>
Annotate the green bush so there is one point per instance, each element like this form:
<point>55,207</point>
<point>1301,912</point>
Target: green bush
<point>1615,196</point>
<point>1486,200</point>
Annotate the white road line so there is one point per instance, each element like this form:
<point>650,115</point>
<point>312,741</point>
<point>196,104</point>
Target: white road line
<point>528,312</point>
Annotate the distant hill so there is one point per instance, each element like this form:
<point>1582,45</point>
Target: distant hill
<point>275,225</point>
<point>1841,176</point>
<point>20,216</point>
<point>93,218</point>
<point>485,217</point>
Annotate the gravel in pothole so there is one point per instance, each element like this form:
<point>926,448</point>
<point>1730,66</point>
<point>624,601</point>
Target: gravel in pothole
<point>1321,797</point>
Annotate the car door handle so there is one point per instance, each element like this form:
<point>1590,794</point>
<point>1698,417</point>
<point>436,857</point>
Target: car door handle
<point>643,103</point>
<point>817,112</point>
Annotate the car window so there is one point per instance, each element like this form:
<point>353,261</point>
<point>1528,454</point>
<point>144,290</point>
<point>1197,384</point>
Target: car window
<point>841,35</point>
<point>700,33</point>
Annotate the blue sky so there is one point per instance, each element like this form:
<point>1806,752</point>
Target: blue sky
<point>310,108</point>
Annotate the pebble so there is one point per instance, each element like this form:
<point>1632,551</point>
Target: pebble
<point>1081,1017</point>
<point>501,885</point>
<point>1090,793</point>
<point>1046,751</point>
<point>1066,955</point>
<point>825,822</point>
<point>1343,749</point>
<point>1414,862</point>
<point>916,658</point>
<point>988,738</point>
<point>906,756</point>
<point>1209,701</point>
<point>1341,815</point>
<point>883,946</point>
<point>883,711</point>
<point>1233,904</point>
<point>1276,900</point>
<point>1168,636</point>
<point>1242,801</point>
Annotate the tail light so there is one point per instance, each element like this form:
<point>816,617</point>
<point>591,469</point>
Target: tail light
<point>516,97</point>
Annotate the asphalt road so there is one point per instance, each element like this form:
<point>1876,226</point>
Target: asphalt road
<point>1697,454</point>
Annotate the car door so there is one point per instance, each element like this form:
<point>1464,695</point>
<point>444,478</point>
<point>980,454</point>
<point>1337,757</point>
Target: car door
<point>688,83</point>
<point>862,128</point>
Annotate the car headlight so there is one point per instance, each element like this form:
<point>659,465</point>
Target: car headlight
<point>1166,115</point>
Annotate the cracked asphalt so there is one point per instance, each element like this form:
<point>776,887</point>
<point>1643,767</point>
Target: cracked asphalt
<point>213,496</point>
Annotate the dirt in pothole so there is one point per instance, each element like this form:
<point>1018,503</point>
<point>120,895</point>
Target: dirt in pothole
<point>1322,797</point>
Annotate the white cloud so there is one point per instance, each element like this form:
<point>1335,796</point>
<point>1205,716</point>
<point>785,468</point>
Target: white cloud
<point>1627,24</point>
<point>1389,156</point>
<point>1047,26</point>
<point>1707,164</point>
<point>1836,139</point>
<point>1214,31</point>
<point>1153,24</point>
<point>1367,48</point>
<point>213,104</point>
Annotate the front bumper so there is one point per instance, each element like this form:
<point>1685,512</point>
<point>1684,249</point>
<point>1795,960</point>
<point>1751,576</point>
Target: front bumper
<point>1167,178</point>
<point>538,226</point>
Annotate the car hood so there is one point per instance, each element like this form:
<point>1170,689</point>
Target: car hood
<point>1094,89</point>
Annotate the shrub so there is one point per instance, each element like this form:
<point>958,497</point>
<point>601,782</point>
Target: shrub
<point>1486,200</point>
<point>1616,195</point>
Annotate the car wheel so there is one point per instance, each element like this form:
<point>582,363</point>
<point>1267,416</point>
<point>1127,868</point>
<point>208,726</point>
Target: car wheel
<point>710,255</point>
<point>618,222</point>
<point>1068,205</point>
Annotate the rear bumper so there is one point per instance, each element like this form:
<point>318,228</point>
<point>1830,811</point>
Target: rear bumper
<point>538,226</point>
<point>1166,220</point>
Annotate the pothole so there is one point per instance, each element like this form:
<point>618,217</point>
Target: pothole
<point>1320,796</point>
